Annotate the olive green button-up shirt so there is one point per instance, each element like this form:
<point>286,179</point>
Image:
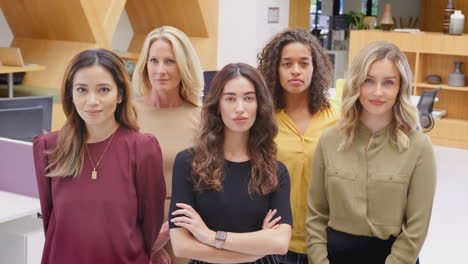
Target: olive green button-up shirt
<point>372,190</point>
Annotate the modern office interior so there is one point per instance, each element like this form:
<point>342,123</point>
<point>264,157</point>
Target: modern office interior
<point>39,37</point>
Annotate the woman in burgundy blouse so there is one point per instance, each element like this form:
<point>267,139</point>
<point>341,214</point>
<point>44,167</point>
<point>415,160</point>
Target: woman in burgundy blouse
<point>100,181</point>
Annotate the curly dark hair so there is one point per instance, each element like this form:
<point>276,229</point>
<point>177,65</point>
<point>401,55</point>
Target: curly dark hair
<point>269,60</point>
<point>208,152</point>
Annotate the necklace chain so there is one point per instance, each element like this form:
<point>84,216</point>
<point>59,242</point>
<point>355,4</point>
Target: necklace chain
<point>94,173</point>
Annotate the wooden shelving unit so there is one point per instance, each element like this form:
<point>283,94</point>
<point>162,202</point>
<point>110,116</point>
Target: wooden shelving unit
<point>431,53</point>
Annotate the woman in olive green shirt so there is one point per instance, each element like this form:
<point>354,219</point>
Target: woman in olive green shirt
<point>374,174</point>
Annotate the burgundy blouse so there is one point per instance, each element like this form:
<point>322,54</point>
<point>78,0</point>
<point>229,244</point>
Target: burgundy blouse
<point>113,219</point>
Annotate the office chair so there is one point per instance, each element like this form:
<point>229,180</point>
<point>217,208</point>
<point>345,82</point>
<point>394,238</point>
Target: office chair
<point>21,123</point>
<point>208,76</point>
<point>30,101</point>
<point>425,106</point>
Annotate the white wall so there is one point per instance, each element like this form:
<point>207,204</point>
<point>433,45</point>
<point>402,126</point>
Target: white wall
<point>354,5</point>
<point>6,36</point>
<point>123,33</point>
<point>243,28</point>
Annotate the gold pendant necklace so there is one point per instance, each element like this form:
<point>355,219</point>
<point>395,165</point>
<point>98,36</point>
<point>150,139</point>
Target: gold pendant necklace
<point>94,172</point>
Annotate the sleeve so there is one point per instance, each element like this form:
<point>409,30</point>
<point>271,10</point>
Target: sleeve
<point>318,212</point>
<point>43,182</point>
<point>421,190</point>
<point>280,199</point>
<point>182,185</point>
<point>150,189</point>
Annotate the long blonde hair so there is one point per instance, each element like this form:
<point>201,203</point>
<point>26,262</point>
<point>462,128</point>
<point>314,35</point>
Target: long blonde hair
<point>405,115</point>
<point>67,156</point>
<point>191,87</point>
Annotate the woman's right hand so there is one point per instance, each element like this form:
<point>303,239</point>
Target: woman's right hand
<point>269,222</point>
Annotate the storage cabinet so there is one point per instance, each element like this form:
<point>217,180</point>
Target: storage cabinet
<point>21,241</point>
<point>431,53</point>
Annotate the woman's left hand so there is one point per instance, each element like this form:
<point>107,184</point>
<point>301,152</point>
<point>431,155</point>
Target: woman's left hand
<point>189,219</point>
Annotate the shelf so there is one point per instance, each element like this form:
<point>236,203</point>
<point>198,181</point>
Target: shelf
<point>444,87</point>
<point>431,54</point>
<point>450,132</point>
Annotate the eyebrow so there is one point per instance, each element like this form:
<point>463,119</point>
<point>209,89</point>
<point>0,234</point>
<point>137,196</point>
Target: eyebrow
<point>389,77</point>
<point>99,84</point>
<point>167,57</point>
<point>235,93</point>
<point>303,58</point>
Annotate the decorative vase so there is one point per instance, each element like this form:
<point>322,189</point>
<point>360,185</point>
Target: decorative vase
<point>448,11</point>
<point>456,78</point>
<point>387,20</point>
<point>433,79</point>
<point>457,22</point>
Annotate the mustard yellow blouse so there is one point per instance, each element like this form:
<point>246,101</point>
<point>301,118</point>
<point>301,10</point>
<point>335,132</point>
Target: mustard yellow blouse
<point>296,151</point>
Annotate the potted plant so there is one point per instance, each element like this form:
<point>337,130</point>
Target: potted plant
<point>355,20</point>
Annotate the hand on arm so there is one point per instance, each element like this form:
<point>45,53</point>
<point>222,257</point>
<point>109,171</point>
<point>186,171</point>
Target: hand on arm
<point>273,239</point>
<point>159,255</point>
<point>269,222</point>
<point>185,245</point>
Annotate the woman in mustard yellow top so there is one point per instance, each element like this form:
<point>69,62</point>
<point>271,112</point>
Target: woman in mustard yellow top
<point>298,73</point>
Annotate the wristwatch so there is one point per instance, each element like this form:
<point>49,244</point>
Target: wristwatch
<point>220,238</point>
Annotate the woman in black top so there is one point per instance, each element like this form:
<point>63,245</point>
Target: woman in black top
<point>230,197</point>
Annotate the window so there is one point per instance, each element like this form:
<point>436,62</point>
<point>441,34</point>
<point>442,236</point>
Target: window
<point>373,7</point>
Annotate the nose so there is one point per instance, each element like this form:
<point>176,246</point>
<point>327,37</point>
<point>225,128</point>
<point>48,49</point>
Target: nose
<point>239,107</point>
<point>295,70</point>
<point>92,99</point>
<point>161,68</point>
<point>378,90</point>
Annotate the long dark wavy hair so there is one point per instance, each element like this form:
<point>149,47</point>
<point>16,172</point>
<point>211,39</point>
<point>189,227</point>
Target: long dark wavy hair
<point>208,153</point>
<point>269,61</point>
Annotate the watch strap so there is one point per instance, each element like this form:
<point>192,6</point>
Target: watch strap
<point>220,238</point>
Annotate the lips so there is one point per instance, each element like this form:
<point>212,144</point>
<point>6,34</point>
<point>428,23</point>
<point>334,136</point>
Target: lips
<point>240,119</point>
<point>93,112</point>
<point>376,102</point>
<point>162,80</point>
<point>295,81</point>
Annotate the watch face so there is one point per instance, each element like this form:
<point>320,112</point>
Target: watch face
<point>221,235</point>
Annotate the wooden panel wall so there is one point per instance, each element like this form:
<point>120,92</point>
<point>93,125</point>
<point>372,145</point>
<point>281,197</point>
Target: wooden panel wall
<point>51,32</point>
<point>431,15</point>
<point>299,13</point>
<point>47,19</point>
<point>103,17</point>
<point>196,18</point>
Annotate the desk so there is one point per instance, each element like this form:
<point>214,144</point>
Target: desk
<point>14,206</point>
<point>12,69</point>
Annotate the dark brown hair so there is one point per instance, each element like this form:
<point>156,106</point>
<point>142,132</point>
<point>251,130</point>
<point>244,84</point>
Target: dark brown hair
<point>208,153</point>
<point>67,156</point>
<point>269,61</point>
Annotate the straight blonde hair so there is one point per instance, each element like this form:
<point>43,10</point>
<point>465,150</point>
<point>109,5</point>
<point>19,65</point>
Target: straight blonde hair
<point>405,115</point>
<point>67,156</point>
<point>191,87</point>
